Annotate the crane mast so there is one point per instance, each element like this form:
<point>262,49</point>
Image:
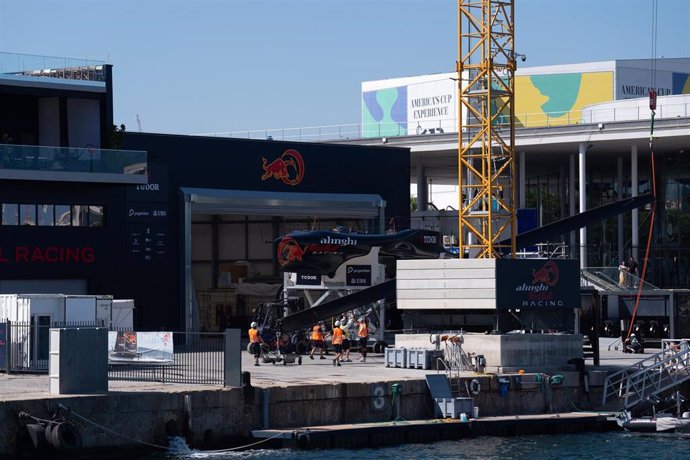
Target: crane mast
<point>486,132</point>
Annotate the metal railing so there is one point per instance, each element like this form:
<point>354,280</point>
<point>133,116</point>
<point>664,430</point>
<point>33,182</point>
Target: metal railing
<point>613,278</point>
<point>197,358</point>
<point>558,250</point>
<point>72,159</point>
<point>650,376</point>
<point>26,345</point>
<point>355,131</point>
<point>51,66</point>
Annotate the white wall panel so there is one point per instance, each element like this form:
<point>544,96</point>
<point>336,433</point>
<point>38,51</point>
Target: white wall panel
<point>440,304</point>
<point>448,293</point>
<point>467,283</point>
<point>428,274</point>
<point>446,284</point>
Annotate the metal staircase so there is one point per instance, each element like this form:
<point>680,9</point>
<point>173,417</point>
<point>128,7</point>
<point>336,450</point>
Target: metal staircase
<point>651,376</point>
<point>608,279</point>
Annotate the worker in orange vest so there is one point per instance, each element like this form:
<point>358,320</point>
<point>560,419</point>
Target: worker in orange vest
<point>363,334</point>
<point>317,341</point>
<point>255,340</point>
<point>337,342</point>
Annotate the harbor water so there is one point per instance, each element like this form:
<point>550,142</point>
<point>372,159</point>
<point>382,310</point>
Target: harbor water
<point>611,445</point>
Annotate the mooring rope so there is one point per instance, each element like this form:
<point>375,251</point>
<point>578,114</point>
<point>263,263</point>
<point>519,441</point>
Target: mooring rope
<point>104,428</point>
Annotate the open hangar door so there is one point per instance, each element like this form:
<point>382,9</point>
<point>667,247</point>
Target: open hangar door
<point>228,252</point>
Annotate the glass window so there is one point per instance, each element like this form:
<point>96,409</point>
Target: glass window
<point>10,214</point>
<point>95,216</point>
<point>63,215</point>
<point>27,214</point>
<point>80,217</point>
<point>45,215</point>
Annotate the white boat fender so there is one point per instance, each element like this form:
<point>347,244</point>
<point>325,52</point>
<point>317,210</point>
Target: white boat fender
<point>475,387</point>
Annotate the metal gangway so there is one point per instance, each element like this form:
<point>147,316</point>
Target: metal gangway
<point>610,279</point>
<point>651,376</point>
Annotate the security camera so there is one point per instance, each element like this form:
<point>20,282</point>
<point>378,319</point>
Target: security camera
<point>523,58</point>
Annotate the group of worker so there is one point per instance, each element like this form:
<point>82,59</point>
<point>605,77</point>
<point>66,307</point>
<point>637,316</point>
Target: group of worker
<point>345,334</point>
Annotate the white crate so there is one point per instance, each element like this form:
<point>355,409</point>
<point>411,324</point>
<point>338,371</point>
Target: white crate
<point>396,357</point>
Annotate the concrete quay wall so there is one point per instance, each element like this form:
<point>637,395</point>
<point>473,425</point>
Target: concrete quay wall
<point>215,418</point>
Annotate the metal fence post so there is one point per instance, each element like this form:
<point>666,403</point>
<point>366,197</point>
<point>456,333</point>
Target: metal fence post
<point>9,346</point>
<point>232,359</point>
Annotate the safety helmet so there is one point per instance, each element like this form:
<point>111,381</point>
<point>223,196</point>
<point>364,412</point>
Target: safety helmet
<point>254,324</point>
<point>337,323</point>
<point>632,335</point>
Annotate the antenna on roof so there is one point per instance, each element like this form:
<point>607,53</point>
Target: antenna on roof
<point>139,122</point>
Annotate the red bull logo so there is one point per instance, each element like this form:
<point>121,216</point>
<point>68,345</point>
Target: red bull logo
<point>289,251</point>
<point>547,275</point>
<point>287,168</point>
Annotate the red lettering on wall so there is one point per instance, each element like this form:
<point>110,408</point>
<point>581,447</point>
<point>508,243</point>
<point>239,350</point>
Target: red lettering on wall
<point>37,255</point>
<point>72,255</point>
<point>51,255</point>
<point>21,254</point>
<point>88,255</point>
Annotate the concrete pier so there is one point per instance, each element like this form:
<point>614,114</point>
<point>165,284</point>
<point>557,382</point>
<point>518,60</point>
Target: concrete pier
<point>280,397</point>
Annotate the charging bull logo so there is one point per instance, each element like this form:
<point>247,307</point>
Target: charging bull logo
<point>548,274</point>
<point>287,168</point>
<point>289,251</point>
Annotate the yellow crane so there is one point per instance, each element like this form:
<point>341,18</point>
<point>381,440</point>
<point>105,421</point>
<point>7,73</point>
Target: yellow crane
<point>486,133</point>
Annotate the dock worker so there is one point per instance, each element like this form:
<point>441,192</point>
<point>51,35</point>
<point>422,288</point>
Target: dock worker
<point>349,336</point>
<point>255,340</point>
<point>363,334</point>
<point>337,342</point>
<point>317,341</point>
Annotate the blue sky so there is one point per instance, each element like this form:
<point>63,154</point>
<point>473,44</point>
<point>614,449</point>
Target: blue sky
<point>233,65</point>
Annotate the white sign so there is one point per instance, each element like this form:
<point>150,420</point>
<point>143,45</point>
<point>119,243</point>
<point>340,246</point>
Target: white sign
<point>140,347</point>
<point>432,107</point>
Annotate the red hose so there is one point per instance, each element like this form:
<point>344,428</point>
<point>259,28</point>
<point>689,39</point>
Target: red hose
<point>649,241</point>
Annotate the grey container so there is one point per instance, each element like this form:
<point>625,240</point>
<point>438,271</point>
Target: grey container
<point>396,357</point>
<point>421,358</point>
<point>78,361</point>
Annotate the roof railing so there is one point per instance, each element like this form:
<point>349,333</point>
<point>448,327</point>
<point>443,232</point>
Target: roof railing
<point>358,131</point>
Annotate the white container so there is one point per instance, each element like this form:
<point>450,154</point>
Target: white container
<point>475,412</point>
